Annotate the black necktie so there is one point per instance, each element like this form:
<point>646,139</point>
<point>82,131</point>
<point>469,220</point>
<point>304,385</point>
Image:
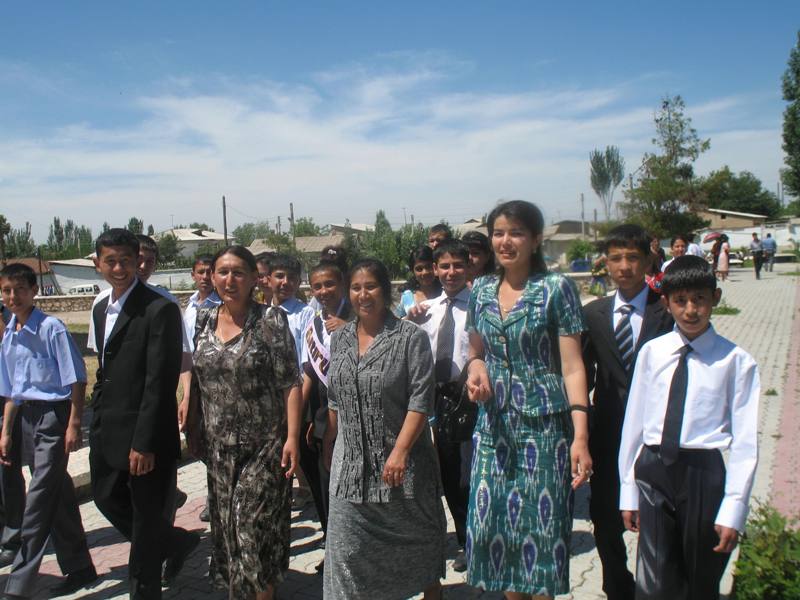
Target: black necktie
<point>673,419</point>
<point>444,345</point>
<point>624,336</point>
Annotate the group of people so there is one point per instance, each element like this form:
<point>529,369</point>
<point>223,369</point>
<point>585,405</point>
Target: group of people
<point>476,387</point>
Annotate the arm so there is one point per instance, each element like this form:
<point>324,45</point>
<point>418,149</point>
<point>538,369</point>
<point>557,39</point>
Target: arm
<point>330,436</point>
<point>72,439</point>
<point>293,399</point>
<point>186,387</point>
<point>478,387</point>
<point>394,471</point>
<point>574,375</point>
<point>9,414</point>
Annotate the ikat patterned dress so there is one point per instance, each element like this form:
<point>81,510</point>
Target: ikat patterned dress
<point>520,510</point>
<point>241,384</point>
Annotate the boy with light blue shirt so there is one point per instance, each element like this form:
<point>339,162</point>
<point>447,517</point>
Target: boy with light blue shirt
<point>284,279</point>
<point>43,381</point>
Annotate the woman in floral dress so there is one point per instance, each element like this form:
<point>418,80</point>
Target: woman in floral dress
<point>528,453</point>
<point>246,379</point>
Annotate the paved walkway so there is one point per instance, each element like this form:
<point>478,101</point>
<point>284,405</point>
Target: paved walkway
<point>765,327</point>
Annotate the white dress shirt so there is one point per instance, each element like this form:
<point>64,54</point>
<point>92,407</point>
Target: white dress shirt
<point>695,250</point>
<point>299,316</point>
<point>112,312</point>
<point>190,312</point>
<point>436,311</point>
<point>638,304</point>
<point>721,411</point>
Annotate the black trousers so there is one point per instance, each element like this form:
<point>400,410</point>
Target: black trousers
<point>758,262</point>
<point>137,508</point>
<point>677,508</point>
<point>310,458</point>
<point>456,495</point>
<point>608,527</point>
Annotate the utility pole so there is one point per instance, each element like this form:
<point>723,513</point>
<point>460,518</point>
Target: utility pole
<point>405,221</point>
<point>279,225</point>
<point>583,222</point>
<point>291,222</point>
<point>224,220</point>
<point>595,224</point>
<point>41,272</point>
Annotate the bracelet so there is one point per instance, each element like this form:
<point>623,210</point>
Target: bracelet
<point>579,407</point>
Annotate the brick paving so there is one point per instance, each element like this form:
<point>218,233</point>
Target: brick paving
<point>766,327</point>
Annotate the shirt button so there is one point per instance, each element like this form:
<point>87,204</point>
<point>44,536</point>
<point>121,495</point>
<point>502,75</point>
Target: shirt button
<point>505,364</point>
<point>502,339</point>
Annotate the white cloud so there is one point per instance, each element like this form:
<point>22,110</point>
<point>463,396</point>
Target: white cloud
<point>348,142</point>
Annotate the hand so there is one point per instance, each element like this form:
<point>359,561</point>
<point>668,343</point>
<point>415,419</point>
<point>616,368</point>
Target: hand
<point>581,463</point>
<point>333,323</point>
<point>418,313</point>
<point>183,413</point>
<point>5,450</point>
<point>290,457</point>
<point>141,463</point>
<point>394,471</point>
<point>310,435</point>
<point>72,439</point>
<point>728,538</point>
<point>478,387</point>
<point>630,518</point>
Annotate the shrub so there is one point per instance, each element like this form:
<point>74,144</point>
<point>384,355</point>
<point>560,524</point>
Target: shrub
<point>580,249</point>
<point>768,567</point>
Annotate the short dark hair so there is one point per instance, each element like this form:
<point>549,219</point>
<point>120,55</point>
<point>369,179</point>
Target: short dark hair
<point>628,235</point>
<point>147,243</point>
<point>239,252</point>
<point>284,262</point>
<point>680,236</point>
<point>326,265</point>
<point>421,254</point>
<point>264,259</point>
<point>19,272</point>
<point>379,271</point>
<point>202,259</point>
<point>531,218</point>
<point>476,239</point>
<point>116,236</point>
<point>455,248</point>
<point>441,228</point>
<point>688,272</point>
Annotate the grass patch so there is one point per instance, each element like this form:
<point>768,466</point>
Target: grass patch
<point>771,392</point>
<point>791,274</point>
<point>79,328</point>
<point>723,308</point>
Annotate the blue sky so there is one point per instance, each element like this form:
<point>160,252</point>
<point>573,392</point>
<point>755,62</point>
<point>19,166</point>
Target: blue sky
<point>157,109</point>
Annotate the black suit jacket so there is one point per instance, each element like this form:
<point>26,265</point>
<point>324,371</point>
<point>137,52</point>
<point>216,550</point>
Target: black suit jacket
<point>605,372</point>
<point>133,402</point>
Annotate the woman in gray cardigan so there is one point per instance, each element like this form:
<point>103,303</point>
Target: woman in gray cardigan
<point>386,525</point>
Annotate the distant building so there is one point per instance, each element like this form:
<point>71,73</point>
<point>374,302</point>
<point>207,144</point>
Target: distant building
<point>48,286</point>
<point>353,228</point>
<point>558,237</point>
<point>474,224</point>
<point>728,219</point>
<point>195,241</point>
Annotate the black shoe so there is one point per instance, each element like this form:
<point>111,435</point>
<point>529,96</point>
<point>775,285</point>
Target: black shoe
<point>460,562</point>
<point>180,498</point>
<point>74,581</point>
<point>174,564</point>
<point>7,557</point>
<point>205,517</point>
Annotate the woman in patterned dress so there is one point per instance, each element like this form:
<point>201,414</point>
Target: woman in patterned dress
<point>528,455</point>
<point>246,379</point>
<point>386,523</point>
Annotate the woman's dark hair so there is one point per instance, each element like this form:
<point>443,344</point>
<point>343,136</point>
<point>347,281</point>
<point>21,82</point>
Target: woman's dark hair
<point>723,238</point>
<point>326,265</point>
<point>335,254</point>
<point>628,235</point>
<point>239,252</point>
<point>531,218</point>
<point>421,254</point>
<point>680,236</point>
<point>379,271</point>
<point>475,239</point>
<point>688,273</point>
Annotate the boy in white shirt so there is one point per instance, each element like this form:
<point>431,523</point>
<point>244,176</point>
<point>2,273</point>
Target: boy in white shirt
<point>693,395</point>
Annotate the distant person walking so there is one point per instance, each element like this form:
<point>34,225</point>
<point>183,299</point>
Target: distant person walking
<point>723,260</point>
<point>770,247</point>
<point>757,251</point>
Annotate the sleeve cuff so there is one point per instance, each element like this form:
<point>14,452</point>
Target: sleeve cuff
<point>629,497</point>
<point>732,513</point>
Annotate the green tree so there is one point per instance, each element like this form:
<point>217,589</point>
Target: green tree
<point>607,170</point>
<point>305,226</point>
<point>667,191</point>
<point>105,227</point>
<point>790,176</point>
<point>5,229</point>
<point>744,192</point>
<point>19,242</point>
<point>135,225</point>
<point>151,230</point>
<point>169,249</point>
<point>246,233</point>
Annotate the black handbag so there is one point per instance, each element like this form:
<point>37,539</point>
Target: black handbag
<point>456,414</point>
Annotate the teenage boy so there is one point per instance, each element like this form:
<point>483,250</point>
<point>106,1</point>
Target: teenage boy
<point>262,283</point>
<point>284,280</point>
<point>444,320</point>
<point>43,381</point>
<point>694,394</point>
<point>439,234</point>
<point>617,327</point>
<point>134,431</point>
<point>205,296</point>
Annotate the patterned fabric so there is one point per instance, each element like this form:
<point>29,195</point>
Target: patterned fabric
<point>241,384</point>
<point>623,334</point>
<point>520,510</point>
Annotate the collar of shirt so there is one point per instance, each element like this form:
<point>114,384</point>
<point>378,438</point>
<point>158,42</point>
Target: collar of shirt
<point>638,302</point>
<point>461,297</point>
<point>703,344</point>
<point>292,305</point>
<point>116,305</point>
<point>211,300</point>
<point>32,324</point>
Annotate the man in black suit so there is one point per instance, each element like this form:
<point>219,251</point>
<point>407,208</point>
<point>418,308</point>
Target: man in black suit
<point>617,327</point>
<point>134,431</point>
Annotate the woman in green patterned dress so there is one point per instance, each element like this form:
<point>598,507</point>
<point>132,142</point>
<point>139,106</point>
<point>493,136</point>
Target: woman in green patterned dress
<point>528,455</point>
